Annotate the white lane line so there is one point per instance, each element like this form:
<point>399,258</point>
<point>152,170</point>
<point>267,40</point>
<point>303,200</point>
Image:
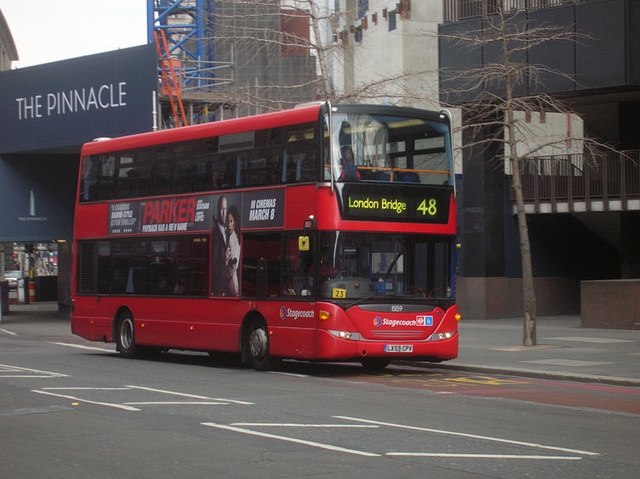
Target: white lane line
<point>177,403</point>
<point>31,372</point>
<point>471,436</point>
<point>291,439</point>
<point>10,333</point>
<point>192,396</point>
<point>80,346</point>
<point>83,388</point>
<point>269,424</point>
<point>295,375</point>
<point>73,398</point>
<point>483,456</point>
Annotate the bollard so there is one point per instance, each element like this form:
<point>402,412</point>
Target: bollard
<point>32,292</point>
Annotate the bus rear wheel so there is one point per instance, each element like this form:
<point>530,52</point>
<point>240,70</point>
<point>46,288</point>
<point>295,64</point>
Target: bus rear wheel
<point>257,347</point>
<point>125,336</point>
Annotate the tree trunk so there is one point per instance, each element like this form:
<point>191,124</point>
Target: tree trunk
<point>529,330</point>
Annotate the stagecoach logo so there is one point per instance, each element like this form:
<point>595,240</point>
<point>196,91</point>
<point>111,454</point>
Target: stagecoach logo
<point>421,320</point>
<point>295,313</point>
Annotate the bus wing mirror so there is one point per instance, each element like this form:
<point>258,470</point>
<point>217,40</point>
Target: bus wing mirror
<point>303,243</point>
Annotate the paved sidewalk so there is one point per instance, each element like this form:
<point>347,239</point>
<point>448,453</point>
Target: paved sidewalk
<point>565,350</point>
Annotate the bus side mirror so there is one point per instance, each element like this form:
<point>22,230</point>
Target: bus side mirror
<point>303,243</point>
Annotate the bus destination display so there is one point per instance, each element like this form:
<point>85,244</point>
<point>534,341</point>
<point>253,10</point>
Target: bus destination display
<point>423,204</point>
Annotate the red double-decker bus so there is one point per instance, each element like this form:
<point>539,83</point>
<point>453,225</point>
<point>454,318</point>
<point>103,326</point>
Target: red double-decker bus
<point>321,233</point>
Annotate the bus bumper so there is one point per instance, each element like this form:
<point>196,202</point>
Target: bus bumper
<point>331,347</point>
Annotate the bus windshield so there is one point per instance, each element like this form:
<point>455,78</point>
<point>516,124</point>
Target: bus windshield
<point>356,266</point>
<point>372,147</point>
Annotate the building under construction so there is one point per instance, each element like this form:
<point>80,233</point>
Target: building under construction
<point>226,58</point>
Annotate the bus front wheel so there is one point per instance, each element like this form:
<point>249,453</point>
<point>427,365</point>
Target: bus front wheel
<point>125,336</point>
<point>257,347</point>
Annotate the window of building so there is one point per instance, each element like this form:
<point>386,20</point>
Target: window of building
<point>363,6</point>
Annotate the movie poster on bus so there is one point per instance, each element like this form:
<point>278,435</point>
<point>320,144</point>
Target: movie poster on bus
<point>264,208</point>
<point>123,218</point>
<point>226,229</point>
<point>165,215</point>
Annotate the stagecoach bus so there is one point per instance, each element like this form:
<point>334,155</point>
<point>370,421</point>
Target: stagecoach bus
<point>322,233</point>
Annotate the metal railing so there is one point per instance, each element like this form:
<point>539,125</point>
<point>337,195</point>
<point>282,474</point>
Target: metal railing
<point>455,10</point>
<point>609,178</point>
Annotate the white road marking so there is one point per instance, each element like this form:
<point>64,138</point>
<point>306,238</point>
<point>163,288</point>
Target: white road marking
<point>295,375</point>
<point>17,372</point>
<point>73,398</point>
<point>84,389</point>
<point>129,406</point>
<point>483,456</point>
<point>177,403</point>
<point>470,436</point>
<point>320,445</point>
<point>6,331</point>
<point>268,424</point>
<point>193,396</point>
<point>81,346</point>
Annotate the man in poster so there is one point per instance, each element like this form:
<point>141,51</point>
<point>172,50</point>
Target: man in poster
<point>219,250</point>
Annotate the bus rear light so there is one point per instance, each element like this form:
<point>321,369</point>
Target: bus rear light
<point>458,317</point>
<point>324,315</point>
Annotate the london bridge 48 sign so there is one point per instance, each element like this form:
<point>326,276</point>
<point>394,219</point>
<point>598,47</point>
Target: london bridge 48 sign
<point>426,204</point>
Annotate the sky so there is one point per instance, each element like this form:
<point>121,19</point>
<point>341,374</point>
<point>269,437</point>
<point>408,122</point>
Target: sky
<point>46,31</point>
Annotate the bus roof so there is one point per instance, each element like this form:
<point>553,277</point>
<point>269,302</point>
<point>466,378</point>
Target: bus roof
<point>281,118</point>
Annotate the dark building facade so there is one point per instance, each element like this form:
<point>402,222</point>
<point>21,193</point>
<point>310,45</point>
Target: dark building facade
<point>47,112</point>
<point>583,213</point>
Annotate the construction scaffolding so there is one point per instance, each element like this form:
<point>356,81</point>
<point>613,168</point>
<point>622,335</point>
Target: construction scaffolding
<point>189,74</point>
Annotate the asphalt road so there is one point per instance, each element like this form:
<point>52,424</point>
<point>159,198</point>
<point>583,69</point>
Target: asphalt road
<point>74,409</point>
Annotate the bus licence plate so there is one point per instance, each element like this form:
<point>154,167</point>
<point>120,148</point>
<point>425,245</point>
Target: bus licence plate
<point>398,348</point>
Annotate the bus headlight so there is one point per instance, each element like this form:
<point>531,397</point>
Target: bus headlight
<point>345,335</point>
<point>441,336</point>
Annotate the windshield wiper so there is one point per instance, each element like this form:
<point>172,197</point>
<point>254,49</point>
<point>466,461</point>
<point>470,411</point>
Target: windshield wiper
<point>360,300</point>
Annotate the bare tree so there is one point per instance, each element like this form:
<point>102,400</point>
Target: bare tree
<point>502,106</point>
<point>262,37</point>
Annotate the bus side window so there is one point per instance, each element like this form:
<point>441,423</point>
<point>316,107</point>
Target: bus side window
<point>203,174</point>
<point>261,254</point>
<point>90,177</point>
<point>299,158</point>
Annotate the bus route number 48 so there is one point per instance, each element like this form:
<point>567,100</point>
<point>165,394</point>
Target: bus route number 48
<point>428,207</point>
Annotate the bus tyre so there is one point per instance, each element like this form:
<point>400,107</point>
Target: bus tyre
<point>125,336</point>
<point>257,347</point>
<point>374,364</point>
